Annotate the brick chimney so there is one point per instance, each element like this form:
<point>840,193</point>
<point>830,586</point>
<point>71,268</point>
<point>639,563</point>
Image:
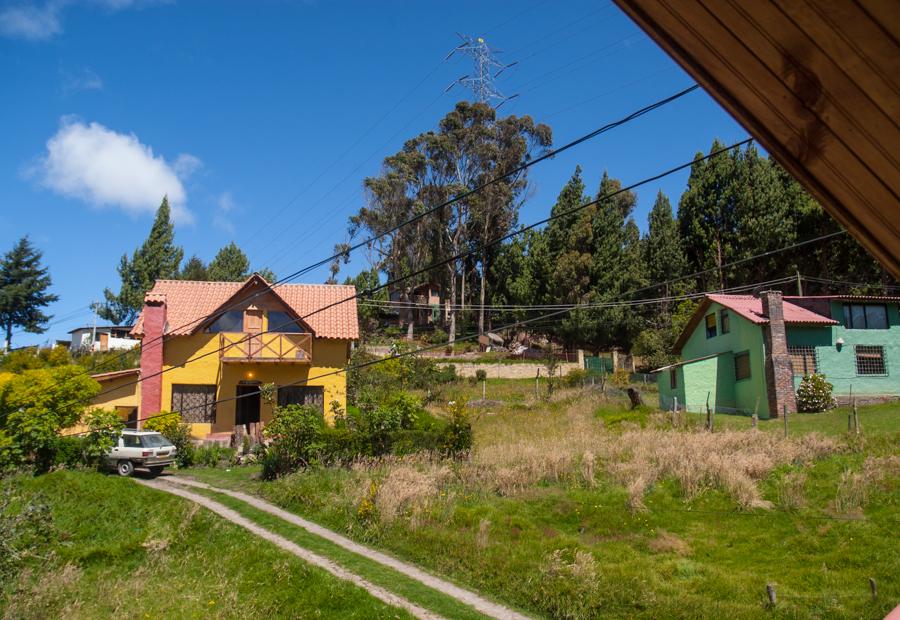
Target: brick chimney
<point>154,318</point>
<point>779,376</point>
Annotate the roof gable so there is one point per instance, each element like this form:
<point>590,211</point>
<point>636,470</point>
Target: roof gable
<point>329,310</point>
<point>750,308</point>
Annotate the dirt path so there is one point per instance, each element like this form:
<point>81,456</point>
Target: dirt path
<point>480,603</point>
<point>313,558</point>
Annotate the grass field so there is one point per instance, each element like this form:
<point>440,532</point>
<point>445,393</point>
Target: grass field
<point>572,508</point>
<point>578,508</point>
<point>117,549</point>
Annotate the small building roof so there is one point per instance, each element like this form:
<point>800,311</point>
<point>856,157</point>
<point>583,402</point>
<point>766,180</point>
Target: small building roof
<point>99,328</point>
<point>750,308</point>
<point>115,374</point>
<point>328,309</point>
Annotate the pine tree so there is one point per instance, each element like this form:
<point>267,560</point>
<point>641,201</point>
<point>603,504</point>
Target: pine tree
<point>23,290</point>
<point>229,265</point>
<point>193,269</point>
<point>157,258</point>
<point>663,254</point>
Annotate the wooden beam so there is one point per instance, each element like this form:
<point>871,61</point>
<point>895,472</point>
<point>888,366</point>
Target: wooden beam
<point>815,84</point>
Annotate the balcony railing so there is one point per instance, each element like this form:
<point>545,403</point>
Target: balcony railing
<point>285,348</point>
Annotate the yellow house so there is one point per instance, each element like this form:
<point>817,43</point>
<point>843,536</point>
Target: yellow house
<point>207,347</point>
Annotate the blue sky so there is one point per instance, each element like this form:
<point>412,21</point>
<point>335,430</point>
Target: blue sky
<point>262,118</point>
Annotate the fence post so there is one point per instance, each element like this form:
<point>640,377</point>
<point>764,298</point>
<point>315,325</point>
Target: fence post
<point>708,415</point>
<point>784,411</point>
<point>770,590</point>
<point>855,417</point>
<point>536,379</point>
<point>675,405</point>
<point>484,389</point>
<point>754,420</point>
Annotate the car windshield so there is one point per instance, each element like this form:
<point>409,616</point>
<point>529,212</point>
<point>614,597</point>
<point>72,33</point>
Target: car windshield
<point>155,441</point>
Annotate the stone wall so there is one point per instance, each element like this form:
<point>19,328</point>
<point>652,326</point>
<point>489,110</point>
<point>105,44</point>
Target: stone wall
<point>510,371</point>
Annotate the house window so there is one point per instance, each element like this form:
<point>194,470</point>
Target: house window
<point>803,360</point>
<point>870,360</point>
<point>283,323</point>
<point>195,403</point>
<point>724,321</point>
<point>742,365</point>
<point>231,321</point>
<point>710,325</point>
<point>302,395</point>
<point>673,378</point>
<point>865,316</point>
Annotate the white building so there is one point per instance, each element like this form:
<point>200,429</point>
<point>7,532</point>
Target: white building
<point>102,338</point>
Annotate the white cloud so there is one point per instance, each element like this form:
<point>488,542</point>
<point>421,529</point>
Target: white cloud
<point>226,202</point>
<point>39,21</point>
<point>31,22</point>
<point>79,81</point>
<point>226,205</point>
<point>185,165</point>
<point>105,168</point>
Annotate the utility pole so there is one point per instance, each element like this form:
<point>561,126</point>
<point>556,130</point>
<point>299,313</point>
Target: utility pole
<point>94,328</point>
<point>799,285</point>
<point>487,68</point>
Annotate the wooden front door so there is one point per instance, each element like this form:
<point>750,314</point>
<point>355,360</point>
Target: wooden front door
<point>246,404</point>
<point>253,327</point>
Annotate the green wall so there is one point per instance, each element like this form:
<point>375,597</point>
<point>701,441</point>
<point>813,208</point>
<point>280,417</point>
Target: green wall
<point>743,336</point>
<point>838,364</point>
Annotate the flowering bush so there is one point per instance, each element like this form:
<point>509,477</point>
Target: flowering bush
<point>814,394</point>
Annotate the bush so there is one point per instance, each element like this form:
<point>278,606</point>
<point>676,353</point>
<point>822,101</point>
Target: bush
<point>814,394</point>
<point>621,378</point>
<point>69,452</point>
<point>103,433</point>
<point>296,434</point>
<point>176,431</point>
<point>575,378</point>
<point>212,455</point>
<point>480,375</point>
<point>458,433</point>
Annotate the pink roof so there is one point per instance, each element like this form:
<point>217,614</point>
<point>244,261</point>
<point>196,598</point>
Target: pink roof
<point>750,308</point>
<point>188,303</point>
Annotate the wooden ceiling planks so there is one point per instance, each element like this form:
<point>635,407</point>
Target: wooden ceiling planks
<point>816,82</point>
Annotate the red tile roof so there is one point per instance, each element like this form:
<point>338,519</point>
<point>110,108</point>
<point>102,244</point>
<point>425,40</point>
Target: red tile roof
<point>189,303</point>
<point>750,308</point>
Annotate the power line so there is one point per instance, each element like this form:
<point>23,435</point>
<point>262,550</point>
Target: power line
<point>444,204</point>
<point>477,249</point>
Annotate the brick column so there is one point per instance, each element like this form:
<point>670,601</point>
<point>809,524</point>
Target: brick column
<point>154,318</point>
<point>779,376</point>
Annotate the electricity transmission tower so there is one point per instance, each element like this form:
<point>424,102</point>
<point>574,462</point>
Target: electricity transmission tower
<point>487,68</point>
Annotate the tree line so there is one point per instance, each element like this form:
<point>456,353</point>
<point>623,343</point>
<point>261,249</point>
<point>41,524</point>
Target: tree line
<point>737,205</point>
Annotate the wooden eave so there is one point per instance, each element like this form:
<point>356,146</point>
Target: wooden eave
<point>816,83</point>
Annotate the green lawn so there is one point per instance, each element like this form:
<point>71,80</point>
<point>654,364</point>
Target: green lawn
<point>558,547</point>
<point>118,549</point>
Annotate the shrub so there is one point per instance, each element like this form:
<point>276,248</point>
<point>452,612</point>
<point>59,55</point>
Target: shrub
<point>36,405</point>
<point>212,455</point>
<point>814,394</point>
<point>458,433</point>
<point>296,434</point>
<point>176,431</point>
<point>575,378</point>
<point>480,375</point>
<point>103,433</point>
<point>621,378</point>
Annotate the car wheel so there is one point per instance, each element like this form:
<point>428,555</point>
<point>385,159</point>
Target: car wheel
<point>125,468</point>
<point>156,470</point>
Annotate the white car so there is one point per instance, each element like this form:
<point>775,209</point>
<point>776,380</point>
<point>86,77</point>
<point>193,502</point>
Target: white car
<point>146,449</point>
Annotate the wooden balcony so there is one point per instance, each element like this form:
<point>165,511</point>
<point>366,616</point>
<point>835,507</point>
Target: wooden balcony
<point>237,347</point>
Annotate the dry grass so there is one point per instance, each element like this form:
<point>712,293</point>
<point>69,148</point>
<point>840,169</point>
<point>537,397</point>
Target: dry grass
<point>666,542</point>
<point>791,491</point>
<point>569,445</point>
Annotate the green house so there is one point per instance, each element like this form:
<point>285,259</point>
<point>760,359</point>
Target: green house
<point>746,354</point>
